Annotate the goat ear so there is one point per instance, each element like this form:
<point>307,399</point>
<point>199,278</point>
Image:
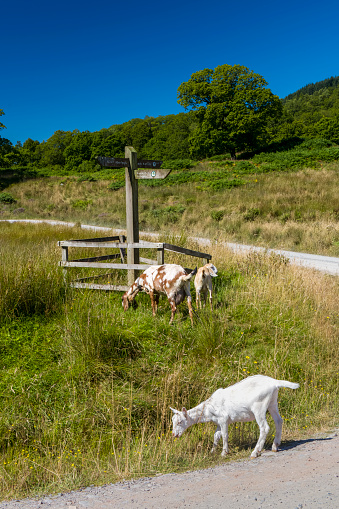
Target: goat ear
<point>174,410</point>
<point>213,271</point>
<point>184,411</point>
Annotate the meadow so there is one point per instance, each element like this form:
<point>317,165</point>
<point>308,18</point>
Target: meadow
<point>286,200</point>
<point>86,387</point>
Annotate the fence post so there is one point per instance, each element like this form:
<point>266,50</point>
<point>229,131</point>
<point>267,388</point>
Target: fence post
<point>64,257</point>
<point>160,255</point>
<point>132,216</point>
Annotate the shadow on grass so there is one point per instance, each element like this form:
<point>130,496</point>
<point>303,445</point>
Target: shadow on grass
<point>10,176</point>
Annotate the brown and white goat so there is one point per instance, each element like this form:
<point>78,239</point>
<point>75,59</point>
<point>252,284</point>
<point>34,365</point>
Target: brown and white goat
<point>203,283</point>
<point>168,279</point>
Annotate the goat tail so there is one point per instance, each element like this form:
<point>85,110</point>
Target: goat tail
<point>285,383</point>
<point>190,275</point>
<point>184,278</point>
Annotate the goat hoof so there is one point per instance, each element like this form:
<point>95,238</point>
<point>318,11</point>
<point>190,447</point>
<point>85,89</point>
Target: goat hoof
<point>255,455</point>
<point>275,448</point>
<point>223,454</point>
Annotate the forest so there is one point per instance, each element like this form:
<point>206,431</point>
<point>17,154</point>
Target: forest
<point>229,110</point>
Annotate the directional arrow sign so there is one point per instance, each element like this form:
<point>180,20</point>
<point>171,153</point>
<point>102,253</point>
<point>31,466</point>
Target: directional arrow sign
<point>151,174</point>
<point>113,162</point>
<point>146,163</point>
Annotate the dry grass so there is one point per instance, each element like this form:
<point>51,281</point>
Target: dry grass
<point>292,211</point>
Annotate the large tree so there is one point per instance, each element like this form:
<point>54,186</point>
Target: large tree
<point>232,105</point>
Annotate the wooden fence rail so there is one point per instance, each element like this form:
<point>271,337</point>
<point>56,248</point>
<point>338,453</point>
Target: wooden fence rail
<point>116,242</point>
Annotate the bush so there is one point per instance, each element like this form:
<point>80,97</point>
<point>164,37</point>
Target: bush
<point>170,214</point>
<point>251,214</point>
<point>217,215</point>
<point>7,198</point>
<point>220,184</point>
<point>178,164</point>
<point>114,186</point>
<point>87,178</point>
<point>81,204</point>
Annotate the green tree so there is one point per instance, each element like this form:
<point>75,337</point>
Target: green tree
<point>78,150</point>
<point>136,133</point>
<point>30,152</point>
<point>327,127</point>
<point>108,142</point>
<point>51,152</point>
<point>232,107</point>
<point>2,126</point>
<point>6,152</point>
<point>170,135</point>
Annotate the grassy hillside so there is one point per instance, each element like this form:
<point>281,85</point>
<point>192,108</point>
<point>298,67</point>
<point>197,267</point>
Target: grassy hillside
<point>286,200</point>
<point>86,388</point>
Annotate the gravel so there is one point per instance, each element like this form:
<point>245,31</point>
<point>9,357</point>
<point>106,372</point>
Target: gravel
<point>303,475</point>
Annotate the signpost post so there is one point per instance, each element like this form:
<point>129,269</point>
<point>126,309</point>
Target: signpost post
<point>150,169</point>
<point>132,215</point>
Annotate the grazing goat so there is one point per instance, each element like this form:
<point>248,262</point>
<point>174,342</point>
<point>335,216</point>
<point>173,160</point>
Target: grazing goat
<point>242,402</point>
<point>169,279</point>
<point>203,283</point>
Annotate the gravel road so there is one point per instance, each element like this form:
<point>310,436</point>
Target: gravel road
<point>303,475</point>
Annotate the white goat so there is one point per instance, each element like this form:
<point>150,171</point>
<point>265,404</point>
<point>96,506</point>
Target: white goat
<point>203,283</point>
<point>168,279</point>
<point>242,402</point>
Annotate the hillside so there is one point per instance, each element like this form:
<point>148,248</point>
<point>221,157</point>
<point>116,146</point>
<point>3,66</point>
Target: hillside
<point>284,199</point>
<point>311,88</point>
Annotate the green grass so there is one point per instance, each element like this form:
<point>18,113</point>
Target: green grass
<point>86,387</point>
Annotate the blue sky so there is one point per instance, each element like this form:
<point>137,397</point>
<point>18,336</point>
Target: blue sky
<point>90,64</point>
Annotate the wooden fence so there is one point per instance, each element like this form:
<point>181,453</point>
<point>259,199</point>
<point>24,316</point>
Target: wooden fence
<point>121,247</point>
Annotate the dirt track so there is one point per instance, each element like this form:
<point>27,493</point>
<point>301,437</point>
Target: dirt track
<point>304,475</point>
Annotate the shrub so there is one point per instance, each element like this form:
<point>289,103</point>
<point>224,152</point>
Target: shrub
<point>220,184</point>
<point>114,186</point>
<point>220,157</point>
<point>170,214</point>
<point>7,198</point>
<point>178,164</point>
<point>251,214</point>
<point>81,204</point>
<point>245,167</point>
<point>87,178</point>
<point>217,215</point>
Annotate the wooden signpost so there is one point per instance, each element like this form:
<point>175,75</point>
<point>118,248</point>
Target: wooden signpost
<point>150,170</point>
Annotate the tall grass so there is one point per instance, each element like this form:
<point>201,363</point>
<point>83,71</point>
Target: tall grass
<point>86,388</point>
<point>292,210</point>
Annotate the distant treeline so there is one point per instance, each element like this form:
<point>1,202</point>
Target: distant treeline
<point>311,88</point>
<point>311,112</point>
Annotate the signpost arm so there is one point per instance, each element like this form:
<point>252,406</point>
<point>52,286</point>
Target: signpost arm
<point>132,216</point>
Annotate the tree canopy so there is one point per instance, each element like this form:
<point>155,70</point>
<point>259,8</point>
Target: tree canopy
<point>230,110</point>
<point>2,126</point>
<point>232,107</point>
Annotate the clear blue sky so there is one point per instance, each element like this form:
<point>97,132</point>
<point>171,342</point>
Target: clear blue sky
<point>90,64</point>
